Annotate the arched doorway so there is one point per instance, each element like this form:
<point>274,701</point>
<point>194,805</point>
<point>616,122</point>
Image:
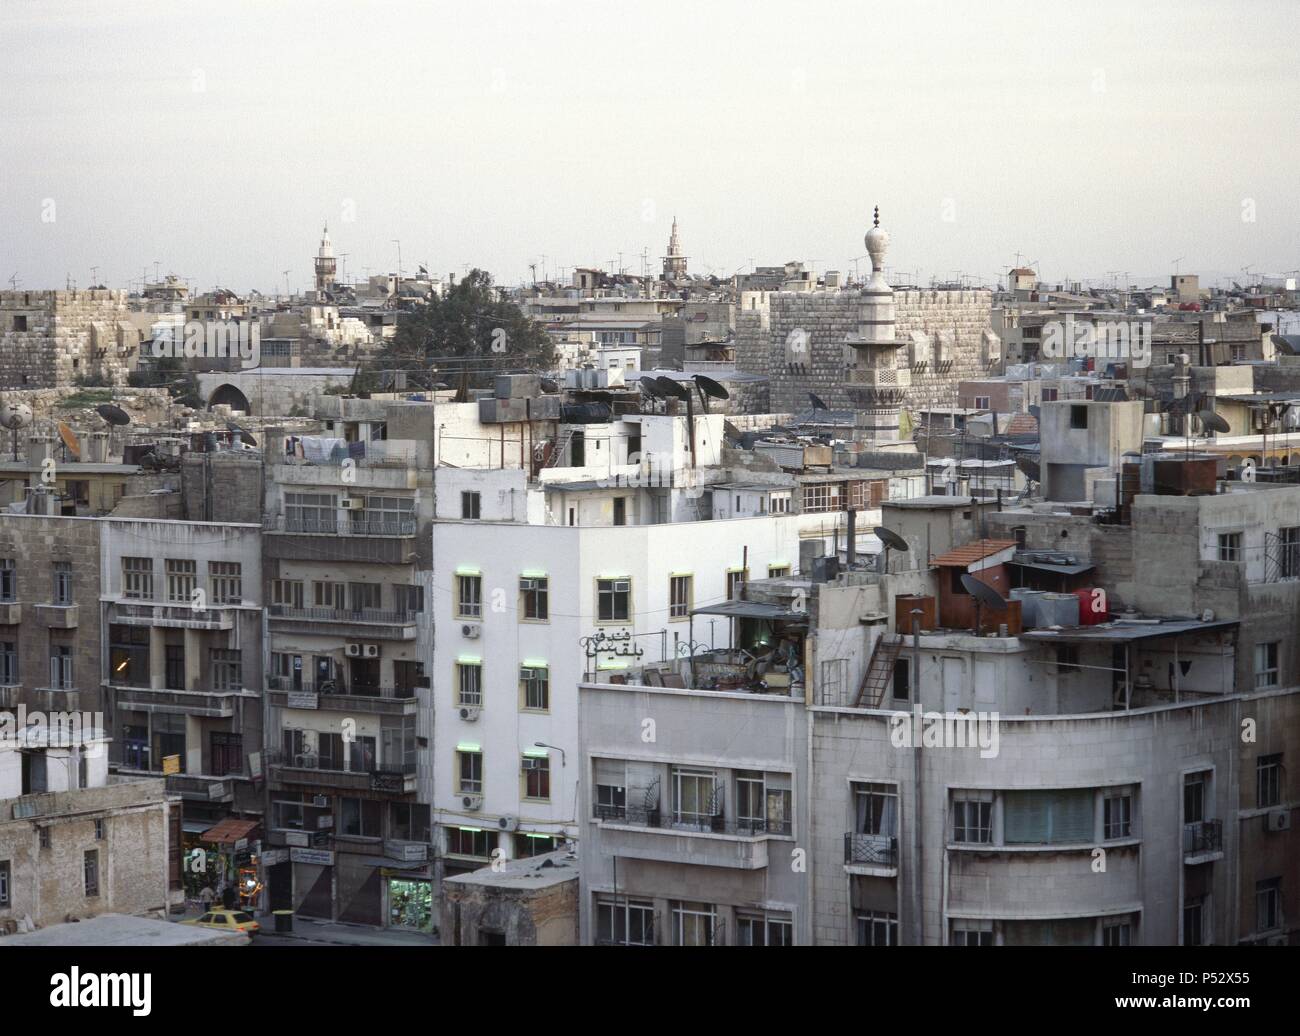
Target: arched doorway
<point>230,396</point>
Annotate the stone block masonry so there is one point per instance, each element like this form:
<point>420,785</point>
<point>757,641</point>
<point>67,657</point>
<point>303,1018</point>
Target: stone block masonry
<point>51,339</point>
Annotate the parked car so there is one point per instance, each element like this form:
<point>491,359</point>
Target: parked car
<point>227,921</point>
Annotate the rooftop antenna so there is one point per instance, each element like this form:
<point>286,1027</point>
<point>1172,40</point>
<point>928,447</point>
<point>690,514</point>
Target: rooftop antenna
<point>1176,262</point>
<point>13,281</point>
<point>343,257</point>
<point>399,260</point>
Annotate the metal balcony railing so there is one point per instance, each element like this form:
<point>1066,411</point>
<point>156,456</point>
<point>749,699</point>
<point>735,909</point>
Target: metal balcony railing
<point>1202,836</point>
<point>340,687</point>
<point>670,821</point>
<point>312,761</point>
<point>376,616</point>
<point>346,527</point>
<point>880,850</point>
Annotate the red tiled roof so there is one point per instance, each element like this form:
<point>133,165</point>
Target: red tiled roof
<point>1022,424</point>
<point>960,557</point>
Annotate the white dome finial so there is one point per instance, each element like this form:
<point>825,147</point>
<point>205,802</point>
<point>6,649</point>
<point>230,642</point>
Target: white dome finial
<point>877,242</point>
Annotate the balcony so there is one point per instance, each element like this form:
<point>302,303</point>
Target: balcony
<point>10,614</point>
<point>201,788</point>
<point>54,699</point>
<point>211,703</point>
<point>9,694</point>
<point>869,854</point>
<point>309,771</point>
<point>338,696</point>
<point>1203,841</point>
<point>710,841</point>
<point>357,539</point>
<point>172,616</point>
<point>358,623</point>
<point>56,616</point>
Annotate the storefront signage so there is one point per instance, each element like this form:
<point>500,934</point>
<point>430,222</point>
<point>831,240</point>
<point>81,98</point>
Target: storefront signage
<point>317,857</point>
<point>274,856</point>
<point>303,700</point>
<point>407,852</point>
<point>387,780</point>
<point>171,764</point>
<point>301,838</point>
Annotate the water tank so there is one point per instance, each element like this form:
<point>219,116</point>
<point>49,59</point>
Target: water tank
<point>585,413</point>
<point>1030,613</point>
<point>1058,610</point>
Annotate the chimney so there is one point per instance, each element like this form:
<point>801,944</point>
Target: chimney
<point>852,537</point>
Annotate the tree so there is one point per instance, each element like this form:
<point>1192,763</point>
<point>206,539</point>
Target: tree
<point>470,332</point>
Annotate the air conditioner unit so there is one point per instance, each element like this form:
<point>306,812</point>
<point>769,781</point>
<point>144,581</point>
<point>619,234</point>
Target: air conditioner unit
<point>371,650</point>
<point>471,630</point>
<point>469,713</point>
<point>471,802</point>
<point>508,823</point>
<point>534,764</point>
<point>353,503</point>
<point>1278,820</point>
<point>354,650</point>
<point>622,586</point>
<point>527,585</point>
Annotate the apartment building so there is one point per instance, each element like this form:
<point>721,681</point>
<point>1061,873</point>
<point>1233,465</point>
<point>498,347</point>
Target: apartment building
<point>182,662</point>
<point>74,841</point>
<point>347,570</point>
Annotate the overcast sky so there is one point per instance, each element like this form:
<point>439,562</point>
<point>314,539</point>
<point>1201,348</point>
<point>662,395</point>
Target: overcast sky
<point>215,138</point>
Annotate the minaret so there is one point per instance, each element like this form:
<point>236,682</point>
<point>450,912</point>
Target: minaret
<point>325,264</point>
<point>876,384</point>
<point>674,261</point>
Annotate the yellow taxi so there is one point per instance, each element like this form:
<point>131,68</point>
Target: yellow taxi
<point>227,921</point>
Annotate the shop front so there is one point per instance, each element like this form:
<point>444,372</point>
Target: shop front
<point>410,901</point>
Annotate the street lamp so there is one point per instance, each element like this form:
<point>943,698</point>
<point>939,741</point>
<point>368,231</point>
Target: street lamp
<point>554,748</point>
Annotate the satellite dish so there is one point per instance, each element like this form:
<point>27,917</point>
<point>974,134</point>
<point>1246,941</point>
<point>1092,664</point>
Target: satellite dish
<point>1212,422</point>
<point>668,387</point>
<point>1035,411</point>
<point>890,538</point>
<point>69,438</point>
<point>114,415</point>
<point>983,593</point>
<point>15,415</point>
<point>650,388</point>
<point>1030,468</point>
<point>245,436</point>
<point>816,401</point>
<point>710,389</point>
<point>549,385</point>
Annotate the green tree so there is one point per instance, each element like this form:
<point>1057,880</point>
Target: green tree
<point>470,332</point>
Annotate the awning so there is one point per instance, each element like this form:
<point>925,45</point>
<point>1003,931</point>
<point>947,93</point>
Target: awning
<point>1043,566</point>
<point>1127,632</point>
<point>750,610</point>
<point>230,831</point>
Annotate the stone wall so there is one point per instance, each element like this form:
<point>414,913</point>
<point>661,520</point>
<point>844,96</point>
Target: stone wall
<point>54,338</point>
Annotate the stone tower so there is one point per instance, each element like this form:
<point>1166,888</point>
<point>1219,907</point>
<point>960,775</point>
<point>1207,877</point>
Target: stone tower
<point>876,385</point>
<point>325,264</point>
<point>674,261</point>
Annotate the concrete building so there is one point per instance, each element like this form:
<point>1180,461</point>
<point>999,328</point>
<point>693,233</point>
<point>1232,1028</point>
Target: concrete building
<point>525,902</point>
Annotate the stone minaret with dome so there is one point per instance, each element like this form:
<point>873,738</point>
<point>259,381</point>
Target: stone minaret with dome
<point>325,264</point>
<point>674,261</point>
<point>875,384</point>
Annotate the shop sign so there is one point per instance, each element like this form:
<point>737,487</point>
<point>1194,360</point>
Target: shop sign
<point>317,857</point>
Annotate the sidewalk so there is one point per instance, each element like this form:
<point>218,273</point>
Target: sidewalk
<point>341,934</point>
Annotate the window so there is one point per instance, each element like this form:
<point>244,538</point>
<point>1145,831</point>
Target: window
<point>5,888</point>
<point>361,818</point>
<point>535,688</point>
<point>1268,780</point>
<point>875,808</point>
<point>1116,933</point>
<point>1230,546</point>
<point>680,594</point>
<point>409,599</point>
<point>1288,547</point>
<point>625,922</point>
<point>469,684</point>
<point>181,578</point>
<point>1067,658</point>
<point>620,510</point>
<point>537,776</point>
<point>470,841</point>
<point>469,597</point>
<point>329,595</point>
<point>365,596</point>
<point>1048,817</point>
<point>61,667</point>
<point>902,679</point>
<point>469,771</point>
<point>778,571</point>
<point>137,578</point>
<point>736,580</point>
<point>91,869</point>
<point>62,584</point>
<point>1118,811</point>
<point>972,818</point>
<point>981,402</point>
<point>471,505</point>
<point>781,503</point>
<point>528,844</point>
<point>759,930</point>
<point>535,594</point>
<point>8,581</point>
<point>409,821</point>
<point>970,932</point>
<point>227,669</point>
<point>226,582</point>
<point>877,928</point>
<point>695,924</point>
<point>697,797</point>
<point>611,789</point>
<point>386,516</point>
<point>311,512</point>
<point>1078,416</point>
<point>45,835</point>
<point>1194,921</point>
<point>1266,668</point>
<point>1268,904</point>
<point>823,496</point>
<point>1194,798</point>
<point>286,593</point>
<point>99,830</point>
<point>9,663</point>
<point>613,600</point>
